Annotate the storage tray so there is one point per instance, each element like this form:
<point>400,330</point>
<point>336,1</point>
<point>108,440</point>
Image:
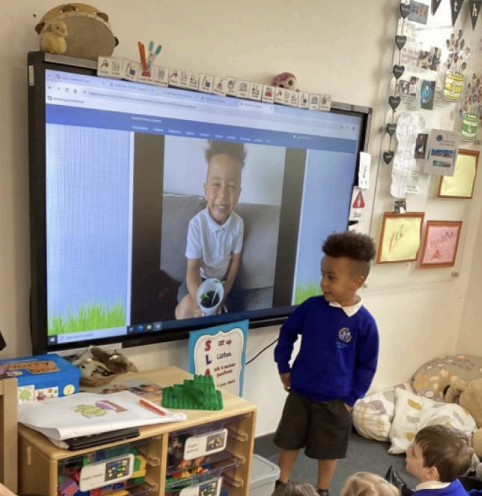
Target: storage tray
<point>217,469</point>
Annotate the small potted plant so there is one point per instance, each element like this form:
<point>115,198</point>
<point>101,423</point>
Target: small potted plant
<point>209,296</point>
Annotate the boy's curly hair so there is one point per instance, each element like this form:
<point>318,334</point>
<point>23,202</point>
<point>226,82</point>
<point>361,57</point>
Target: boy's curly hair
<point>231,148</point>
<point>359,248</point>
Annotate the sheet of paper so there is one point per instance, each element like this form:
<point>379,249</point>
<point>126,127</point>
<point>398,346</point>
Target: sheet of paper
<point>90,413</point>
<point>401,239</point>
<point>462,182</point>
<point>364,170</point>
<point>405,174</point>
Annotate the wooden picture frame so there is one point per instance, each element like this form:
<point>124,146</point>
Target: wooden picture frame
<point>400,238</point>
<point>461,184</point>
<point>441,243</point>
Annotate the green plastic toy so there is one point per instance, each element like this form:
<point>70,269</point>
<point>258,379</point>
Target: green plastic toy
<point>199,393</point>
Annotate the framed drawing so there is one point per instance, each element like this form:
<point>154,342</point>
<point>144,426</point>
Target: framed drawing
<point>461,184</point>
<point>400,238</point>
<point>441,243</point>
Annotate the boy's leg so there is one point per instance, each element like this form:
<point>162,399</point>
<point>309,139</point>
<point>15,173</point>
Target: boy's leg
<point>286,461</point>
<point>326,470</point>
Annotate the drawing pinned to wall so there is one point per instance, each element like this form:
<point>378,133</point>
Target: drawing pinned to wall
<point>405,174</point>
<point>400,237</point>
<point>440,244</point>
<point>461,184</point>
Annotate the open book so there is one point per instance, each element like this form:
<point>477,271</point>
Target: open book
<point>83,414</point>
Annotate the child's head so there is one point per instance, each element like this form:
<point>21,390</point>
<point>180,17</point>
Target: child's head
<point>223,182</point>
<point>345,266</point>
<point>367,484</point>
<point>439,453</point>
<point>295,489</point>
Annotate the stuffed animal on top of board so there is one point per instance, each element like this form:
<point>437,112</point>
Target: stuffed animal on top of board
<point>286,80</point>
<point>53,39</point>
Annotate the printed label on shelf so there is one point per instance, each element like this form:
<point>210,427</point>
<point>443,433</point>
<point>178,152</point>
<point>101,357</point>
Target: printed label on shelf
<point>106,472</point>
<point>205,444</point>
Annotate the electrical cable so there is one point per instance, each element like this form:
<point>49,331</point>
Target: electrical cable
<point>262,351</point>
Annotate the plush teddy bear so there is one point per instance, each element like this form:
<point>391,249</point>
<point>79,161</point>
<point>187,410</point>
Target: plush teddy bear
<point>469,396</point>
<point>98,367</point>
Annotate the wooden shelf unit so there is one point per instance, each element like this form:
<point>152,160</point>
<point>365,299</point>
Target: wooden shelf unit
<point>8,429</point>
<point>39,458</point>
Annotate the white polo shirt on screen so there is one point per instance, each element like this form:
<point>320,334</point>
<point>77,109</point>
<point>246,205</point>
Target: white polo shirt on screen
<point>213,243</point>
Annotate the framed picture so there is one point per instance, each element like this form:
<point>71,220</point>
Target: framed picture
<point>441,243</point>
<point>400,238</point>
<point>461,184</point>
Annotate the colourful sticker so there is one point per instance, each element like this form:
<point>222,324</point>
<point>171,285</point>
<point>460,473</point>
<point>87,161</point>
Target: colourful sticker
<point>69,389</point>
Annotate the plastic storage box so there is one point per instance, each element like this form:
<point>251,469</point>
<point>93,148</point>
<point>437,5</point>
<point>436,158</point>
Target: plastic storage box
<point>42,376</point>
<point>264,474</point>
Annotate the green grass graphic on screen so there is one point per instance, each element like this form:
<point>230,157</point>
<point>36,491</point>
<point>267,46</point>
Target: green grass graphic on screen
<point>88,317</point>
<point>303,292</point>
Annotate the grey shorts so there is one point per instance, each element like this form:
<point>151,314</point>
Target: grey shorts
<point>321,427</point>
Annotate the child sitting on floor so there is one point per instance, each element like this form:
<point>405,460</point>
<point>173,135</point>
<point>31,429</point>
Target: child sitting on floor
<point>367,484</point>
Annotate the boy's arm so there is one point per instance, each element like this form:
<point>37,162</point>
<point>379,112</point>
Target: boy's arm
<point>234,265</point>
<point>288,335</point>
<point>193,278</point>
<point>366,363</point>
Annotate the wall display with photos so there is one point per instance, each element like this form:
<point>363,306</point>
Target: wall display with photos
<point>432,64</point>
<point>461,184</point>
<point>400,238</point>
<point>440,243</point>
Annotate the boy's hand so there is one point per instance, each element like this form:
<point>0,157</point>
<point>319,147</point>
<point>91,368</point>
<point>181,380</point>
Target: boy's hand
<point>286,380</point>
<point>348,407</point>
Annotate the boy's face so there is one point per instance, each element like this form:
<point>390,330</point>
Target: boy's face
<point>415,463</point>
<point>338,283</point>
<point>222,186</point>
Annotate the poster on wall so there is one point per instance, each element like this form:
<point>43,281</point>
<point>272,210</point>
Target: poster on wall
<point>442,149</point>
<point>220,351</point>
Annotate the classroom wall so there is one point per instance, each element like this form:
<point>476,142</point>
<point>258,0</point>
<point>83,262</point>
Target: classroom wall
<point>343,48</point>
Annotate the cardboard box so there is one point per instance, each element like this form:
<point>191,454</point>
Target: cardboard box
<point>42,376</point>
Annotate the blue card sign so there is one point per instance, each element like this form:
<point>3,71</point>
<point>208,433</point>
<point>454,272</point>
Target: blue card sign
<point>220,351</point>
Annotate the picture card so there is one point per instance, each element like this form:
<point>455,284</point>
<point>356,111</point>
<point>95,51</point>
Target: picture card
<point>440,244</point>
<point>442,149</point>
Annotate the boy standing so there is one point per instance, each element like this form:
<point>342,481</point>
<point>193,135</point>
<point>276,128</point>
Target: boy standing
<point>438,456</point>
<point>215,235</point>
<point>335,364</point>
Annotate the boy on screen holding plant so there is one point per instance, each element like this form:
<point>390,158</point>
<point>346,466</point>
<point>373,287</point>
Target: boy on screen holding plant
<point>215,235</point>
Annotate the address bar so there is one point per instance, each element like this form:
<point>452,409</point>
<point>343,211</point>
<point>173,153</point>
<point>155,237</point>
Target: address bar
<point>140,104</point>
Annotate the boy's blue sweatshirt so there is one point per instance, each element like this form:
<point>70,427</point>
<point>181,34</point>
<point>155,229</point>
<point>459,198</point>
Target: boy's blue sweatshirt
<point>455,488</point>
<point>338,354</point>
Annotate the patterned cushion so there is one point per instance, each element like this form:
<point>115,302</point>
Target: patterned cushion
<point>412,412</point>
<point>373,414</point>
<point>432,377</point>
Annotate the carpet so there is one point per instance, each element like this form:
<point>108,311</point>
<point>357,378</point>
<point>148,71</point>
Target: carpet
<point>363,454</point>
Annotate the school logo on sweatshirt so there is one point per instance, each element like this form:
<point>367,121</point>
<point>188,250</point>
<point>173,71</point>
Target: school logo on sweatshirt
<point>345,335</point>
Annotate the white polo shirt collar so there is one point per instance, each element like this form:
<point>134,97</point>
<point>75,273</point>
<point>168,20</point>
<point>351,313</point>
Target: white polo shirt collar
<point>350,310</point>
<point>213,225</point>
